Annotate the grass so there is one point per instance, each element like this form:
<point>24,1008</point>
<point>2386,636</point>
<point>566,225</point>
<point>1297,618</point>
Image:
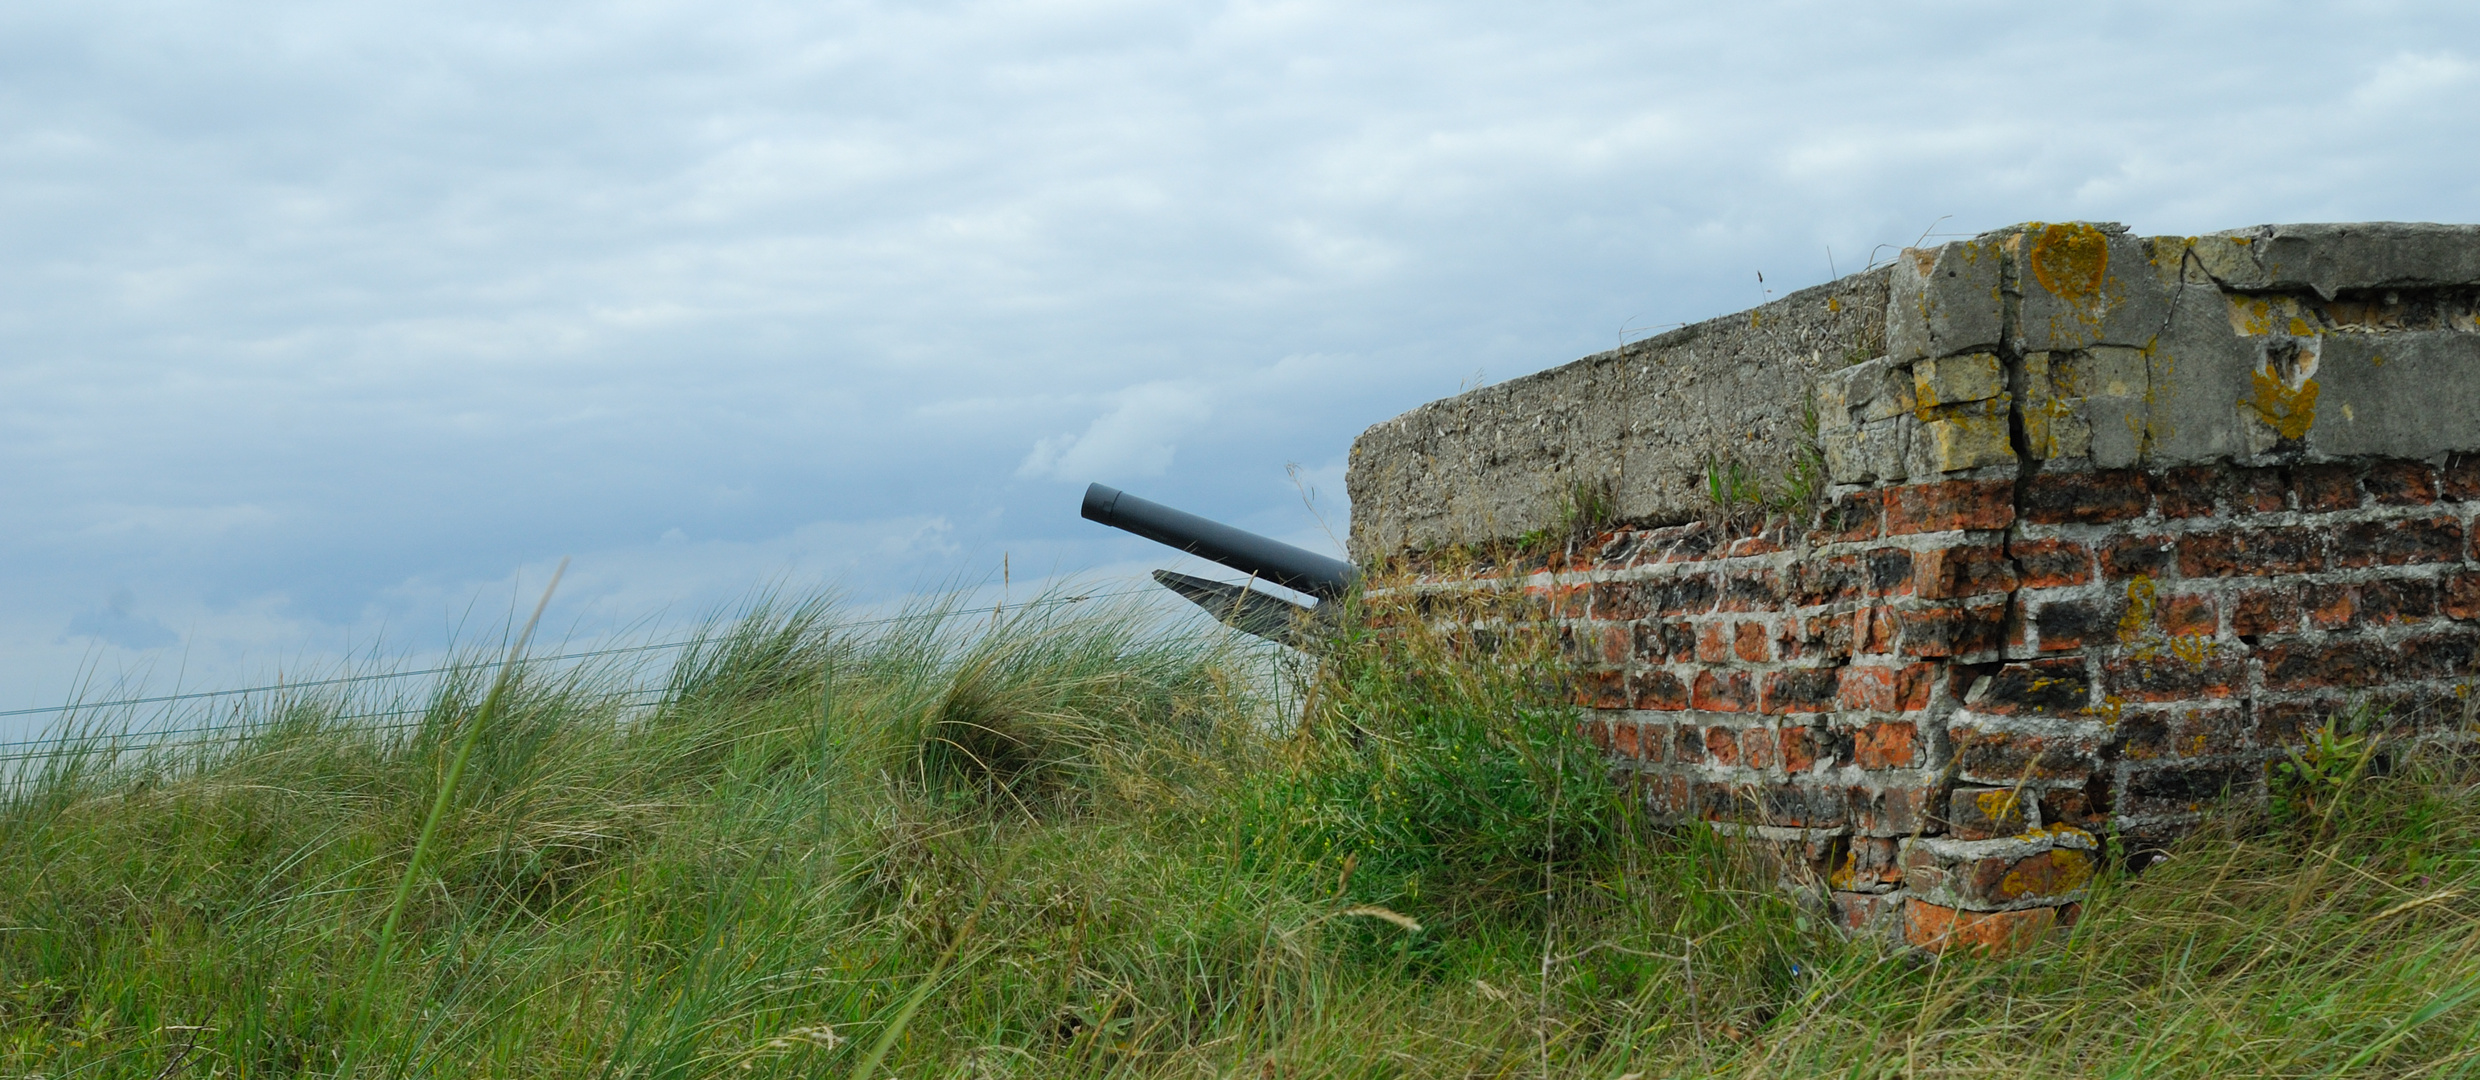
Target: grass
<point>1069,842</point>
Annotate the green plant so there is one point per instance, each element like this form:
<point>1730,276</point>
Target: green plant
<point>2313,778</point>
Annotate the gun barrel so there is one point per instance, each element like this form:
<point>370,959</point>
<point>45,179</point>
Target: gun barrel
<point>1247,552</point>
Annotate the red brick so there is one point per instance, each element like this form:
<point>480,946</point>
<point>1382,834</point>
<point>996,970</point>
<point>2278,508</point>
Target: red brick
<point>1871,688</point>
<point>1598,732</point>
<point>2314,665</point>
<point>2399,543</point>
<point>1623,740</point>
<point>2325,487</point>
<point>1994,933</point>
<point>1960,570</point>
<point>1722,746</point>
<point>1653,742</point>
<point>2188,492</point>
<point>2402,483</point>
<point>2149,556</point>
<point>1659,690</point>
<point>2162,677</point>
<point>2071,624</point>
<point>2260,491</point>
<point>2460,479</point>
<point>1801,747</point>
<point>2256,612</point>
<point>2250,553</point>
<point>2462,595</point>
<point>1873,630</point>
<point>1952,630</point>
<point>1722,692</point>
<point>2334,605</point>
<point>1852,518</point>
<point>1954,504</point>
<point>1713,643</point>
<point>1748,642</point>
<point>1912,686</point>
<point>2051,563</point>
<point>2087,498</point>
<point>2187,615</point>
<point>1757,746</point>
<point>2043,687</point>
<point>1886,744</point>
<point>1601,689</point>
<point>1613,643</point>
<point>1798,690</point>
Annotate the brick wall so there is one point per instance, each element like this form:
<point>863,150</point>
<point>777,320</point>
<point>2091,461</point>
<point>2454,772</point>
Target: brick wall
<point>1947,701</point>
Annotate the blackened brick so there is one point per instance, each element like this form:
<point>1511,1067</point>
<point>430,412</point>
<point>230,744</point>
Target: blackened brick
<point>2460,479</point>
<point>2071,624</point>
<point>1890,572</point>
<point>2399,543</point>
<point>1685,595</point>
<point>1618,601</point>
<point>1601,689</point>
<point>2462,595</point>
<point>1952,630</point>
<point>2336,605</point>
<point>2052,687</point>
<point>2259,491</point>
<point>2188,615</point>
<point>2051,563</point>
<point>1890,811</point>
<point>1722,691</point>
<point>2402,483</point>
<point>2324,487</point>
<point>1959,570</point>
<point>1829,581</point>
<point>1807,806</point>
<point>1752,590</point>
<point>2447,654</point>
<point>2270,610</point>
<point>2088,498</point>
<point>1852,518</point>
<point>2188,492</point>
<point>1954,504</point>
<point>1662,642</point>
<point>2250,553</point>
<point>2174,788</point>
<point>1660,690</point>
<point>2151,556</point>
<point>2313,665</point>
<point>2006,757</point>
<point>1798,690</point>
<point>2164,677</point>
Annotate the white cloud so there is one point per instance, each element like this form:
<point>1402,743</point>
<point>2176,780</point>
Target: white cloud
<point>1137,437</point>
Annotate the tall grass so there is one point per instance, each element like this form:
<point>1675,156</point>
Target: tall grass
<point>1070,841</point>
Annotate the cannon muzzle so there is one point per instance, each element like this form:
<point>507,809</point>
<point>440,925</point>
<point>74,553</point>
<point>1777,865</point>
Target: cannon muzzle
<point>1269,617</point>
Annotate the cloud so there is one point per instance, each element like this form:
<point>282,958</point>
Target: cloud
<point>114,624</point>
<point>1137,437</point>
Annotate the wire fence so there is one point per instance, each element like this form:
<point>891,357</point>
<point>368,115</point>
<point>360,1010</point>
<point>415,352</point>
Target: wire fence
<point>14,753</point>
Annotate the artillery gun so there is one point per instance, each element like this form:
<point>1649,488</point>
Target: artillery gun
<point>1263,559</point>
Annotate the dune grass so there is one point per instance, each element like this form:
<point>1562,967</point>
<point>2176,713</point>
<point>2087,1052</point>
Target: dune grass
<point>1073,841</point>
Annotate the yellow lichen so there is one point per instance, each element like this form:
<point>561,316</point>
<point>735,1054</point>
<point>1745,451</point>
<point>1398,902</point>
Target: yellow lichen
<point>2071,260</point>
<point>2138,621</point>
<point>2288,411</point>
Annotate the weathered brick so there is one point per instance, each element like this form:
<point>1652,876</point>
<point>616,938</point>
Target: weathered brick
<point>1868,862</point>
<point>2460,479</point>
<point>2181,787</point>
<point>2188,492</point>
<point>2336,605</point>
<point>2149,556</point>
<point>1687,744</point>
<point>1959,570</point>
<point>2071,624</point>
<point>1757,746</point>
<point>2208,731</point>
<point>2159,676</point>
<point>1952,630</point>
<point>1618,601</point>
<point>2047,687</point>
<point>1999,873</point>
<point>1795,804</point>
<point>2399,542</point>
<point>1658,690</point>
<point>2259,491</point>
<point>1887,744</point>
<point>2251,552</point>
<point>1664,642</point>
<point>1890,572</point>
<point>1721,746</point>
<point>1868,912</point>
<point>2401,483</point>
<point>1600,689</point>
<point>1873,630</point>
<point>1997,933</point>
<point>2069,806</point>
<point>2445,654</point>
<point>1891,810</point>
<point>1623,740</point>
<point>1954,504</point>
<point>1752,590</point>
<point>1713,642</point>
<point>1722,691</point>
<point>2270,610</point>
<point>1751,642</point>
<point>2332,662</point>
<point>2462,595</point>
<point>2008,757</point>
<point>1798,690</point>
<point>1980,813</point>
<point>1830,580</point>
<point>2325,487</point>
<point>1803,747</point>
<point>2085,498</point>
<point>2052,563</point>
<point>1687,594</point>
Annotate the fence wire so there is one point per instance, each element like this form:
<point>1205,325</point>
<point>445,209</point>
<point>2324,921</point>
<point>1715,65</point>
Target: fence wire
<point>15,752</point>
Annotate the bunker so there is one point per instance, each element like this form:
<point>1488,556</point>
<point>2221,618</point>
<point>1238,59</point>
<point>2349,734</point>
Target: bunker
<point>1947,580</point>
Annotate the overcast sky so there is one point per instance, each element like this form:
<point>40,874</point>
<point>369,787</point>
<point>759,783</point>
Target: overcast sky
<point>323,325</point>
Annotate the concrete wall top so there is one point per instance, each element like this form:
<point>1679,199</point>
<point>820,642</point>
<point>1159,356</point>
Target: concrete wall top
<point>2070,345</point>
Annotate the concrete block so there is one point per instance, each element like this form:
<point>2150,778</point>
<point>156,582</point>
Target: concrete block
<point>1945,300</point>
<point>2410,394</point>
<point>2101,404</point>
<point>2330,258</point>
<point>2040,868</point>
<point>1957,437</point>
<point>2197,385</point>
<point>2083,285</point>
<point>1954,380</point>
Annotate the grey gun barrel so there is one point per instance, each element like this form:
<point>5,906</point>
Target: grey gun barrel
<point>1247,552</point>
